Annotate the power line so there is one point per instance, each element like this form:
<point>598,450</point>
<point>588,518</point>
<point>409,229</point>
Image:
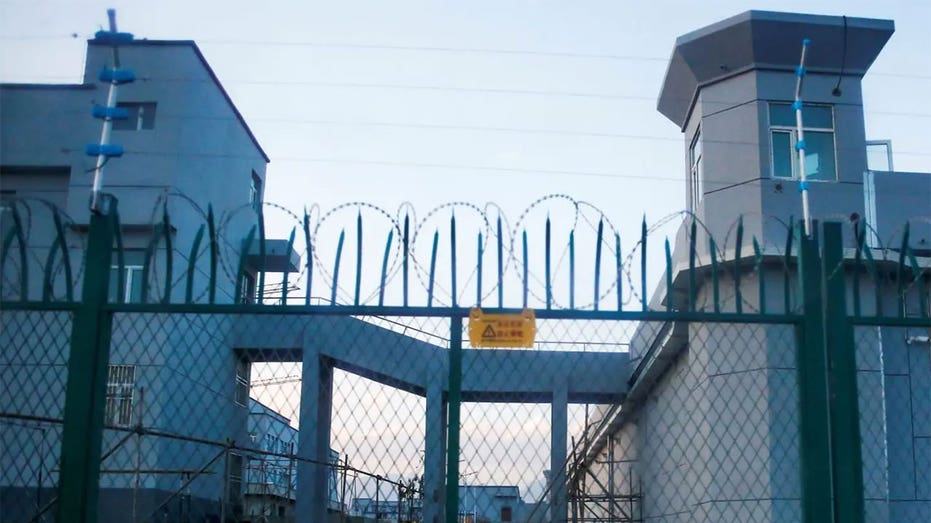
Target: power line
<point>476,90</point>
<point>430,49</point>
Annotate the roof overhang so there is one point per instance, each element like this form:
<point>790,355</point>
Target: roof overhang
<point>767,40</point>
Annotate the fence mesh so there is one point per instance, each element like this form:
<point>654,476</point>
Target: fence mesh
<point>34,350</point>
<point>255,416</point>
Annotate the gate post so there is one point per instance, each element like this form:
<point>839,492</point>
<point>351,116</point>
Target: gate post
<point>85,393</point>
<point>812,368</point>
<point>842,375</point>
<point>455,401</point>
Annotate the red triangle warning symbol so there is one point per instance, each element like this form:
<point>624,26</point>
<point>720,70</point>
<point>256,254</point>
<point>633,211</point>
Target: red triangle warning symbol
<point>489,332</point>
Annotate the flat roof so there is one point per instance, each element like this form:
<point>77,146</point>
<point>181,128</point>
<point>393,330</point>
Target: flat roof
<point>767,40</point>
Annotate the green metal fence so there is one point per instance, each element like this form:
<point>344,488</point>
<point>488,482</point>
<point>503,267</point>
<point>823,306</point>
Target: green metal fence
<point>766,385</point>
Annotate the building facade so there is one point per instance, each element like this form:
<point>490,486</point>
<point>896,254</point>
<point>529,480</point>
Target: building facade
<point>187,148</point>
<point>709,430</point>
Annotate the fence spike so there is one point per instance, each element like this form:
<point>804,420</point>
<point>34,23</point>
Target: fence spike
<point>384,268</point>
<point>478,287</point>
<point>58,243</point>
<point>786,287</point>
<point>16,232</point>
<point>405,257</point>
<point>500,265</point>
<point>599,239</point>
<point>120,260</point>
<point>192,261</point>
<point>284,277</point>
<point>669,292</point>
<point>436,241</point>
<point>260,295</point>
<point>452,257</point>
<point>47,273</point>
<point>169,254</point>
<point>339,254</point>
<point>693,230</point>
<point>572,269</point>
<point>874,275</point>
<point>214,255</point>
<point>526,273</point>
<point>918,277</point>
<point>643,263</point>
<point>549,287</point>
<point>900,272</point>
<point>309,264</point>
<point>715,284</point>
<point>241,268</point>
<point>859,235</point>
<point>738,298</point>
<point>65,255</point>
<point>758,253</point>
<point>147,263</point>
<point>358,287</point>
<point>619,265</point>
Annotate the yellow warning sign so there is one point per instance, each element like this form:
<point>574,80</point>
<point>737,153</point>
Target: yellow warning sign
<point>502,330</point>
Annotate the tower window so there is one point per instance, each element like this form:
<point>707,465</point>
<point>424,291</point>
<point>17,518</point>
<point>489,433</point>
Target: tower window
<point>141,116</point>
<point>255,192</point>
<point>696,188</point>
<point>818,128</point>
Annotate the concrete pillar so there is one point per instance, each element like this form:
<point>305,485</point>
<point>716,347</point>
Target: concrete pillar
<point>559,504</point>
<point>314,438</point>
<point>434,484</point>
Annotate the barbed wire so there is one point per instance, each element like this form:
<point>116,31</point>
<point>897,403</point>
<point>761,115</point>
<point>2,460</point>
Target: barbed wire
<point>582,216</point>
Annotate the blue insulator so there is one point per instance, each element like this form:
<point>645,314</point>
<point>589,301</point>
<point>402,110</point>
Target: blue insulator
<point>113,113</point>
<point>109,150</point>
<point>800,145</point>
<point>117,76</point>
<point>113,37</point>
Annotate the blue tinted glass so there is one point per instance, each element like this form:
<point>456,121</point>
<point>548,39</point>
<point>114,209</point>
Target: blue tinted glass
<point>782,154</point>
<point>819,155</point>
<point>819,116</point>
<point>781,114</point>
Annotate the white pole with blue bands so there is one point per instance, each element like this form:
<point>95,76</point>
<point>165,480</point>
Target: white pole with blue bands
<point>115,76</point>
<point>800,143</point>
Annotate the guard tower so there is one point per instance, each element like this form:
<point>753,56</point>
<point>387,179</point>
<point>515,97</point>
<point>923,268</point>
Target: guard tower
<point>729,87</point>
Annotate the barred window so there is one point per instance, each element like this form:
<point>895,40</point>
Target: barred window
<point>121,379</point>
<point>234,478</point>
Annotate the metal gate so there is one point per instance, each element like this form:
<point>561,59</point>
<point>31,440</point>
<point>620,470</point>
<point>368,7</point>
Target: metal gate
<point>178,388</point>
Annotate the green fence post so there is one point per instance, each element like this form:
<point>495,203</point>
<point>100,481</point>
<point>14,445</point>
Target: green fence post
<point>454,401</point>
<point>85,394</point>
<point>811,363</point>
<point>842,373</point>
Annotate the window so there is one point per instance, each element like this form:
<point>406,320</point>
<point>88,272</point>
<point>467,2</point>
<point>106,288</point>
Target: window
<point>242,382</point>
<point>247,291</point>
<point>255,192</point>
<point>819,142</point>
<point>696,189</point>
<point>234,476</point>
<point>132,287</point>
<point>141,116</point>
<point>120,382</point>
<point>505,513</point>
<point>879,155</point>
